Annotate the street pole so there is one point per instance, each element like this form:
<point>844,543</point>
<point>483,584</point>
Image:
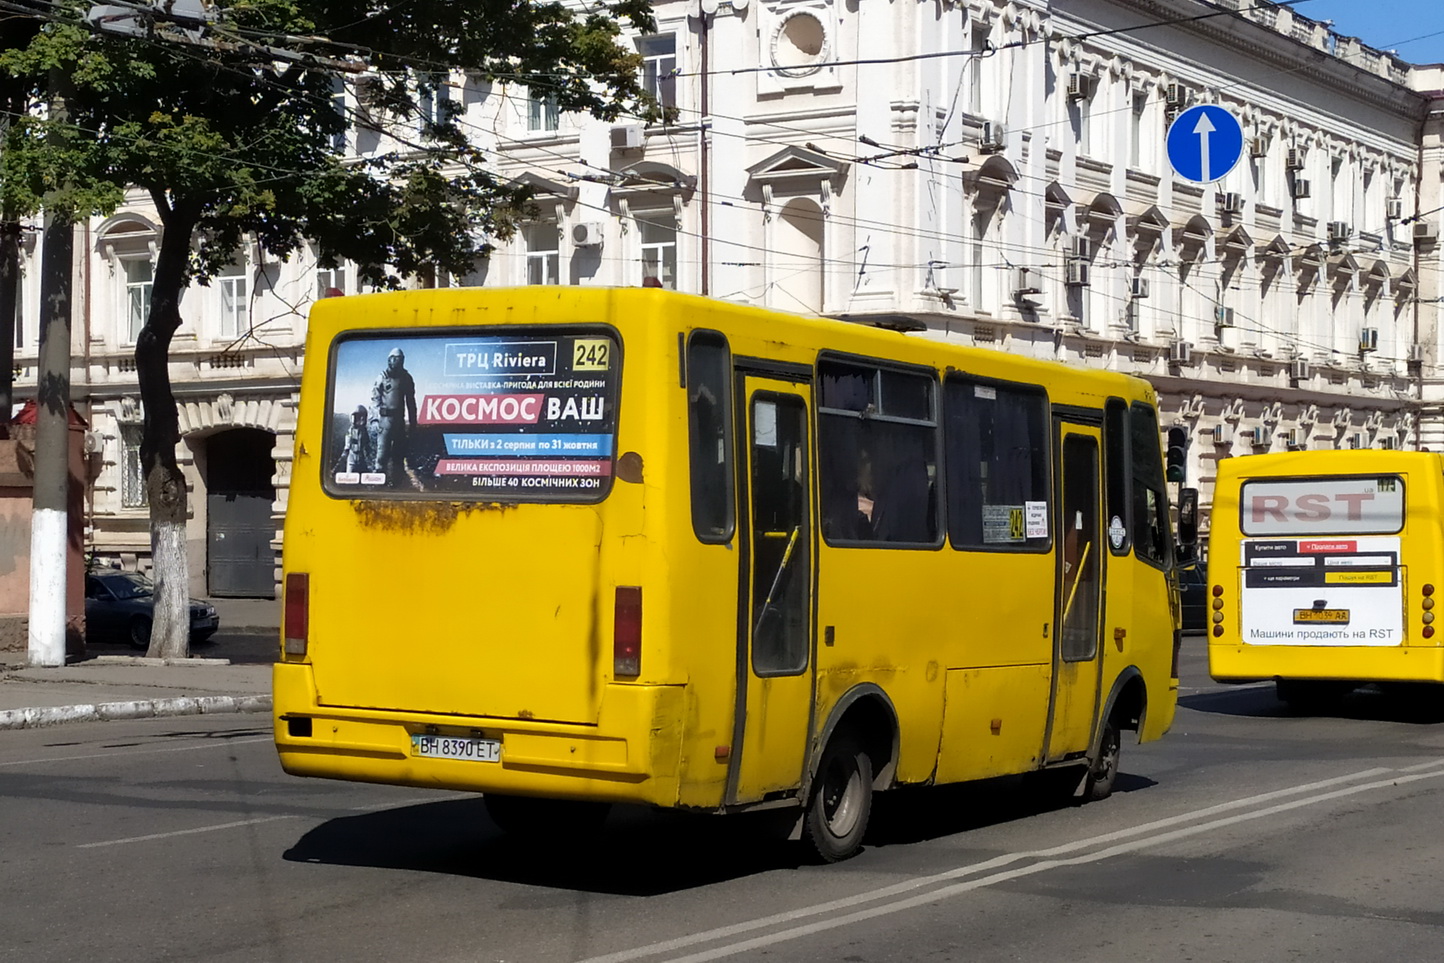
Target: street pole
<point>49,526</point>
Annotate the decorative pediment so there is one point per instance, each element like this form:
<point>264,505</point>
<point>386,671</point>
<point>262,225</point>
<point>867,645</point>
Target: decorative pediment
<point>545,188</point>
<point>1237,242</point>
<point>1145,218</point>
<point>649,185</point>
<point>131,234</point>
<point>1276,249</point>
<point>797,164</point>
<point>995,175</point>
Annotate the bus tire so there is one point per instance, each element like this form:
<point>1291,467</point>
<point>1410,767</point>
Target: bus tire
<point>1103,771</point>
<point>841,801</point>
<point>529,816</point>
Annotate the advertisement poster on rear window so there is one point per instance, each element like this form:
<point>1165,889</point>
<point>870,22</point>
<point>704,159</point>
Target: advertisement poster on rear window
<point>529,416</point>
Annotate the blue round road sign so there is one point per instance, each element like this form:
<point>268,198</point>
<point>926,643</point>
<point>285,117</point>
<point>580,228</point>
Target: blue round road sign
<point>1204,143</point>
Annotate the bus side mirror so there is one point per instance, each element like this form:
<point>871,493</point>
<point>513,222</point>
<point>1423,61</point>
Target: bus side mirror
<point>1188,518</point>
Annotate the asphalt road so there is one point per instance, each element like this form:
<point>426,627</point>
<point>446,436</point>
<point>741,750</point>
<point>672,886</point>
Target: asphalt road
<point>240,646</point>
<point>1249,833</point>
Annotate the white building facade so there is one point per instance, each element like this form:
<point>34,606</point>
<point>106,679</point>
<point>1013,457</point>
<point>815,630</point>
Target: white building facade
<point>990,173</point>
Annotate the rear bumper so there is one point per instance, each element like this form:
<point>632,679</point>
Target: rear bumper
<point>1239,662</point>
<point>631,755</point>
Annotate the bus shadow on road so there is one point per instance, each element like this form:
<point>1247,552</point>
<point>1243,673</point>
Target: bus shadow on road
<point>915,815</point>
<point>1413,703</point>
<point>638,852</point>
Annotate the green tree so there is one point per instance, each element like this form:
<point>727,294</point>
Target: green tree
<point>231,129</point>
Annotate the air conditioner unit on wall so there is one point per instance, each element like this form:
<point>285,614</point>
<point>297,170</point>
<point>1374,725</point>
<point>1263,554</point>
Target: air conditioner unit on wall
<point>1425,231</point>
<point>1258,147</point>
<point>990,140</point>
<point>626,137</point>
<point>1302,188</point>
<point>1080,85</point>
<point>1231,202</point>
<point>1079,246</point>
<point>1175,95</point>
<point>1258,436</point>
<point>1138,287</point>
<point>1223,317</point>
<point>1294,159</point>
<point>1222,434</point>
<point>1339,230</point>
<point>587,234</point>
<point>1299,369</point>
<point>1025,282</point>
<point>1180,352</point>
<point>1388,442</point>
<point>1416,353</point>
<point>1369,339</point>
<point>1358,440</point>
<point>1075,273</point>
<point>1393,208</point>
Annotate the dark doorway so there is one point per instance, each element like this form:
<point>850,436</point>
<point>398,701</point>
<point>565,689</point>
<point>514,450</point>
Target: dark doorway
<point>239,527</point>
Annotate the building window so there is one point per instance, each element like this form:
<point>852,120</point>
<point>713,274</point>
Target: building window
<point>977,57</point>
<point>139,279</point>
<point>132,475</point>
<point>338,104</point>
<point>1135,130</point>
<point>659,67</point>
<point>330,282</point>
<point>235,285</point>
<point>542,112</point>
<point>543,255</point>
<point>434,105</point>
<point>659,248</point>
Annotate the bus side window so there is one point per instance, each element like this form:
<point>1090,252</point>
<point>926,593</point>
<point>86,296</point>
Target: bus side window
<point>997,464</point>
<point>1152,539</point>
<point>709,435</point>
<point>877,447</point>
<point>1118,473</point>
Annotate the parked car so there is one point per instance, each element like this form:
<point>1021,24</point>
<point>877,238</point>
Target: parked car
<point>1193,593</point>
<point>122,605</point>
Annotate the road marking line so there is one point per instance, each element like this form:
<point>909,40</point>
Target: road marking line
<point>996,862</point>
<point>185,832</point>
<point>959,888</point>
<point>140,752</point>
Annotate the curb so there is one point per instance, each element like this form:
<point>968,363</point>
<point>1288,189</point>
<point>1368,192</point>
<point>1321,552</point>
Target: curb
<point>139,709</point>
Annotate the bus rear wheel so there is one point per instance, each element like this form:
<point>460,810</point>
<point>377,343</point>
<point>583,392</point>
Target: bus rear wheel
<point>529,816</point>
<point>841,802</point>
<point>1103,772</point>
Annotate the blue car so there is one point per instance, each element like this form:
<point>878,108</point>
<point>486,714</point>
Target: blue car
<point>121,605</point>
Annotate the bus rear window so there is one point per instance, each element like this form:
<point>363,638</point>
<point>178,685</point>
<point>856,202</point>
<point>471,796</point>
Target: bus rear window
<point>1356,505</point>
<point>473,413</point>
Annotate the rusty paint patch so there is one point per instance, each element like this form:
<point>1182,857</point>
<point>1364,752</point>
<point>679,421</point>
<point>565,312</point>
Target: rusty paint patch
<point>629,468</point>
<point>526,714</point>
<point>423,518</point>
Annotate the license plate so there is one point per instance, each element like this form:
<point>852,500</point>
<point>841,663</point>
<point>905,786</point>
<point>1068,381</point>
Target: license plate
<point>1327,616</point>
<point>456,747</point>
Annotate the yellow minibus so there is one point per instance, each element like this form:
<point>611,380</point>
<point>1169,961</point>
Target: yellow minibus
<point>1322,567</point>
<point>570,547</point>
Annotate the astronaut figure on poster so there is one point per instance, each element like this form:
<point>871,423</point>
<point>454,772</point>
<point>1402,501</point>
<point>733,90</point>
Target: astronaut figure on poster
<point>393,398</point>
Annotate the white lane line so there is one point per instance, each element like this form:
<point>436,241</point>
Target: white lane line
<point>185,832</point>
<point>667,946</point>
<point>959,888</point>
<point>139,752</point>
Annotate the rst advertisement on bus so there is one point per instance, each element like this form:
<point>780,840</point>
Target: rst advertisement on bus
<point>1322,591</point>
<point>519,416</point>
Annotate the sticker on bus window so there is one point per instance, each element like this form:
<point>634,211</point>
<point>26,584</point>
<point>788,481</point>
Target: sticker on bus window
<point>1036,519</point>
<point>520,416</point>
<point>1004,523</point>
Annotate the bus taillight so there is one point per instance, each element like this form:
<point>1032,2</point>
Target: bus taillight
<point>297,613</point>
<point>1428,606</point>
<point>627,632</point>
<point>1217,610</point>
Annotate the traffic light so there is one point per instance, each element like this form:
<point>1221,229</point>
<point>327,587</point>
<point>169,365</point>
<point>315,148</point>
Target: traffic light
<point>1175,458</point>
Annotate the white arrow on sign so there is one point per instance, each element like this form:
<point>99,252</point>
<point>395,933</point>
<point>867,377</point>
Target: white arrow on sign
<point>1203,128</point>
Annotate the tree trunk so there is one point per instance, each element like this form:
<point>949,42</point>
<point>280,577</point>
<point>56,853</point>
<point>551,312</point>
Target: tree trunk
<point>164,483</point>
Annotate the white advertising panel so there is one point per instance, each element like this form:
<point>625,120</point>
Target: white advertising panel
<point>1322,591</point>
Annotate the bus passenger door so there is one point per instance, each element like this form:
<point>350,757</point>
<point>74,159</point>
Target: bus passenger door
<point>775,658</point>
<point>1076,653</point>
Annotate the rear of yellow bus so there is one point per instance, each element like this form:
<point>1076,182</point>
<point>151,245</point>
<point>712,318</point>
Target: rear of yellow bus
<point>1323,569</point>
<point>466,547</point>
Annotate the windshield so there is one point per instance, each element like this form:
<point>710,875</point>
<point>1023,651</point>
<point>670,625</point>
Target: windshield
<point>127,586</point>
<point>520,415</point>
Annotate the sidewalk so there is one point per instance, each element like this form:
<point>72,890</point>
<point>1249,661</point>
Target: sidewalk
<point>126,687</point>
